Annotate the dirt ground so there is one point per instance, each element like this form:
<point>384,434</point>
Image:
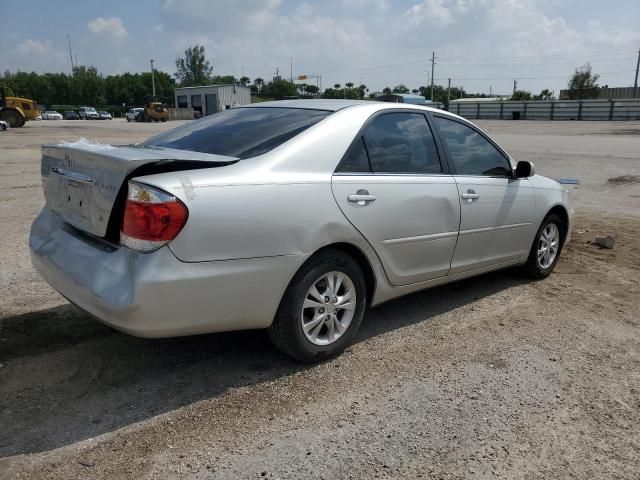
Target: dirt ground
<point>493,377</point>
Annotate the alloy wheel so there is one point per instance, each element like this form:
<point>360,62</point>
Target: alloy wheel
<point>548,245</point>
<point>328,308</point>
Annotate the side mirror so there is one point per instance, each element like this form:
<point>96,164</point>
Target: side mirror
<point>525,169</point>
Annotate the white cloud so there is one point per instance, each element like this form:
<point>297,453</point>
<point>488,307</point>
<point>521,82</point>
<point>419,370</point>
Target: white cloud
<point>431,12</point>
<point>378,42</point>
<point>32,54</point>
<point>34,47</point>
<point>112,26</point>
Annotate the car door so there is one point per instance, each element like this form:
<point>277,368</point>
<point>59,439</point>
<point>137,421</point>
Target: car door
<point>393,187</point>
<point>497,209</point>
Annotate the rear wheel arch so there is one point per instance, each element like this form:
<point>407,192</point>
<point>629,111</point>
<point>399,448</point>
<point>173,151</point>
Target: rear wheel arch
<point>356,254</point>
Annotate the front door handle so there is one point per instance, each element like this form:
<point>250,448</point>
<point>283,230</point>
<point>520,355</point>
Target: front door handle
<point>362,197</point>
<point>470,196</point>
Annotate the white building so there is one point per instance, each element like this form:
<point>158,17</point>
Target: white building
<point>210,99</point>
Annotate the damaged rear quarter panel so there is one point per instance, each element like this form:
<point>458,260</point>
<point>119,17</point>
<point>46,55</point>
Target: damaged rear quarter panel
<point>233,217</point>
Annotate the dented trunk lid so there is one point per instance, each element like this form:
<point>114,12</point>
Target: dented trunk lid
<point>82,182</point>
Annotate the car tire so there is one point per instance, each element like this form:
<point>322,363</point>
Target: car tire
<point>293,328</point>
<point>11,117</point>
<point>546,248</point>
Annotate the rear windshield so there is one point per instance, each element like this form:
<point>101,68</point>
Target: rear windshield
<point>240,132</point>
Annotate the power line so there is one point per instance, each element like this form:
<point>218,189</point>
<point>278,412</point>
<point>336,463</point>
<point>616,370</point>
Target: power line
<point>578,57</point>
<point>524,57</point>
<point>609,59</point>
<point>622,72</point>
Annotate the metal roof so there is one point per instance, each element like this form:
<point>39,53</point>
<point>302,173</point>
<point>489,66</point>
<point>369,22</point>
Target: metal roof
<point>212,86</point>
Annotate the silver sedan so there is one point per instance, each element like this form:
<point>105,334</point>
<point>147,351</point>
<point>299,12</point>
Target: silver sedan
<point>293,216</point>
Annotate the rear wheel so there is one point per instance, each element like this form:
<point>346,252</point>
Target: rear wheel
<point>12,117</point>
<point>322,308</point>
<point>546,248</point>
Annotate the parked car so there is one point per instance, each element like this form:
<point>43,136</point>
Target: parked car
<point>4,126</point>
<point>88,113</point>
<point>51,115</point>
<point>105,115</point>
<point>132,114</point>
<point>293,216</point>
<point>71,115</point>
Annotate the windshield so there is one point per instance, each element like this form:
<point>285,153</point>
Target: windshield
<point>240,132</point>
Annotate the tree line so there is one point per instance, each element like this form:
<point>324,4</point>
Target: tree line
<point>87,86</point>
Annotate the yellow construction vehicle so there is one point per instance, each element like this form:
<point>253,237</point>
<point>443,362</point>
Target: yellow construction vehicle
<point>153,111</point>
<point>16,111</point>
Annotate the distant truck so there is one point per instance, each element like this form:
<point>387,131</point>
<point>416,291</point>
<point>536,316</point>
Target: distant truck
<point>133,113</point>
<point>16,111</point>
<point>154,111</point>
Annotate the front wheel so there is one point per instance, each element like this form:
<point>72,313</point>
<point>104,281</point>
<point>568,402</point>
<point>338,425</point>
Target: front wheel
<point>12,118</point>
<point>546,248</point>
<point>322,308</point>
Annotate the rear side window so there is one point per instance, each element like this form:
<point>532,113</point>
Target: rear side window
<point>241,132</point>
<point>401,143</point>
<point>472,154</point>
<point>356,159</point>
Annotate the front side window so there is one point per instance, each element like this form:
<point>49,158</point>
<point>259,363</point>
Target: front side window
<point>401,143</point>
<point>472,154</point>
<point>240,132</point>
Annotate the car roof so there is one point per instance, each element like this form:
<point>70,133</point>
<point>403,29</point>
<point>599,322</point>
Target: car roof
<point>334,105</point>
<point>312,104</point>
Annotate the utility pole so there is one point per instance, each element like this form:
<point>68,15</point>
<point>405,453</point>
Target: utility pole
<point>433,64</point>
<point>515,85</point>
<point>635,84</point>
<point>153,81</point>
<point>448,92</point>
<point>290,69</point>
<point>491,90</point>
<point>71,56</point>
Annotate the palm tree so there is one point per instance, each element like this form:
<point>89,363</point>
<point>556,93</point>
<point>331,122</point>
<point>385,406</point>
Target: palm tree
<point>337,86</point>
<point>258,82</point>
<point>349,85</point>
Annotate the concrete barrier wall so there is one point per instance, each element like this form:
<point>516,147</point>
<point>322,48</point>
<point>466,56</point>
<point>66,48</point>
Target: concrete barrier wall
<point>180,113</point>
<point>551,110</point>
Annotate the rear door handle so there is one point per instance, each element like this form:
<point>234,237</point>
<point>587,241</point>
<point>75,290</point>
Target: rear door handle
<point>470,196</point>
<point>362,197</point>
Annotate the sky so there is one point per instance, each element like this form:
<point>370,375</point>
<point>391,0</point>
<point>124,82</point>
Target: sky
<point>482,45</point>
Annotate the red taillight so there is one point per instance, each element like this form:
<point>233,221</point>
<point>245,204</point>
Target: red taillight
<point>151,218</point>
<point>153,221</point>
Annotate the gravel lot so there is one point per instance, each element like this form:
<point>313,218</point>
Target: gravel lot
<point>493,377</point>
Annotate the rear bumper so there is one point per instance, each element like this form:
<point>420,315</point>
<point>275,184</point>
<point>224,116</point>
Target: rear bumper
<point>157,295</point>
